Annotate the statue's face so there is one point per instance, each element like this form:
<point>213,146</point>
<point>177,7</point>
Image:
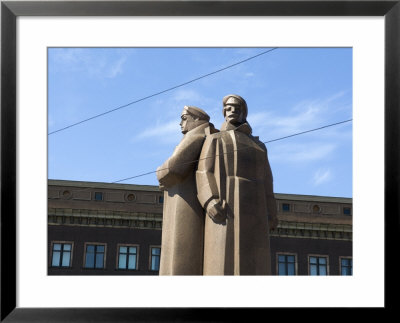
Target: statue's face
<point>187,122</point>
<point>233,111</point>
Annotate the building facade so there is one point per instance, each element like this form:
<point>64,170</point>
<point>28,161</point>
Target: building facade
<point>115,229</point>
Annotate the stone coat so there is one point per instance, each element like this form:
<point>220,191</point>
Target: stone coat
<point>234,169</point>
<point>183,216</point>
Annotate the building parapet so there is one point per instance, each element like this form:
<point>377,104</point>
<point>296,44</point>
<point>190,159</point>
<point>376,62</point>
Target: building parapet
<point>313,231</point>
<point>99,218</point>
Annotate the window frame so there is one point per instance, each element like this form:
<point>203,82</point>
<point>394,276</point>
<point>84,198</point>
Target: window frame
<point>70,256</point>
<point>286,204</point>
<point>137,257</point>
<point>318,256</point>
<point>340,264</point>
<point>151,257</point>
<point>127,197</point>
<point>104,255</point>
<point>94,196</point>
<point>284,253</point>
<point>316,209</point>
<point>347,208</point>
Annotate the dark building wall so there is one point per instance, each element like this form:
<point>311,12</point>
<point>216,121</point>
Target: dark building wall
<point>302,248</point>
<point>132,215</point>
<point>144,238</point>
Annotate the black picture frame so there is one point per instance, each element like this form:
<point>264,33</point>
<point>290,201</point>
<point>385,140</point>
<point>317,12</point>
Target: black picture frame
<point>10,10</point>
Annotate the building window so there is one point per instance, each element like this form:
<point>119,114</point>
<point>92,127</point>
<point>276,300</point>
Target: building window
<point>95,256</point>
<point>155,258</point>
<point>316,209</point>
<point>347,211</point>
<point>61,254</point>
<point>346,266</point>
<point>286,265</point>
<point>131,197</point>
<point>161,199</point>
<point>127,257</point>
<point>285,207</point>
<point>318,266</point>
<point>66,194</point>
<point>98,196</point>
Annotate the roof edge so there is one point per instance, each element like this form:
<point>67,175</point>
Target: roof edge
<point>154,188</point>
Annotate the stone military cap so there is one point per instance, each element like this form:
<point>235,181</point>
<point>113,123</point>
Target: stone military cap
<point>243,104</point>
<point>197,112</point>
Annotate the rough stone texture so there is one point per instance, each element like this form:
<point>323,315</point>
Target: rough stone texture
<point>234,184</point>
<point>183,216</point>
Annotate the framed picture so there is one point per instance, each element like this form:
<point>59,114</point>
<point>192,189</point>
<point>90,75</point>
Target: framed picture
<point>149,306</point>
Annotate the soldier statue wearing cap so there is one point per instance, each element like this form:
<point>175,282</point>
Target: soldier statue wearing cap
<point>234,186</point>
<point>183,216</point>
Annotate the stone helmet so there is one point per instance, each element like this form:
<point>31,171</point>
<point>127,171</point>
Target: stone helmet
<point>197,112</point>
<point>242,101</point>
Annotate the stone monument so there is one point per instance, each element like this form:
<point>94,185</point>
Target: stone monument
<point>183,216</point>
<point>234,185</point>
<point>219,202</point>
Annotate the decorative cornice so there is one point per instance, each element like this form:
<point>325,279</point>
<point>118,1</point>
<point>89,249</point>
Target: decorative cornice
<point>154,188</point>
<point>98,218</point>
<point>98,185</point>
<point>313,231</point>
<point>139,220</point>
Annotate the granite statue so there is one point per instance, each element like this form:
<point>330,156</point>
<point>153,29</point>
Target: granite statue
<point>235,188</point>
<point>183,216</point>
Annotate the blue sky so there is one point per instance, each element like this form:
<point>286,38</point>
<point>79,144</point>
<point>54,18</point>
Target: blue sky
<point>288,90</point>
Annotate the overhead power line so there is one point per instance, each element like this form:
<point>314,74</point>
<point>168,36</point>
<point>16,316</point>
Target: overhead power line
<point>161,92</point>
<point>265,142</point>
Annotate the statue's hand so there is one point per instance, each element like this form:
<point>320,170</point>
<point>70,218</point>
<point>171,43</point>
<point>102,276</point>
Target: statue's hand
<point>216,211</point>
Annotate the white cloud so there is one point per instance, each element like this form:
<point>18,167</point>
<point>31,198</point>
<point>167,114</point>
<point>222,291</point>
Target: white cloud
<point>322,176</point>
<point>173,104</point>
<point>321,104</point>
<point>300,153</point>
<point>67,55</point>
<point>303,116</point>
<point>186,95</point>
<point>317,152</point>
<point>116,67</point>
<point>270,126</point>
<point>98,64</point>
<point>183,97</point>
<point>168,129</point>
<point>309,115</point>
<point>168,132</point>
